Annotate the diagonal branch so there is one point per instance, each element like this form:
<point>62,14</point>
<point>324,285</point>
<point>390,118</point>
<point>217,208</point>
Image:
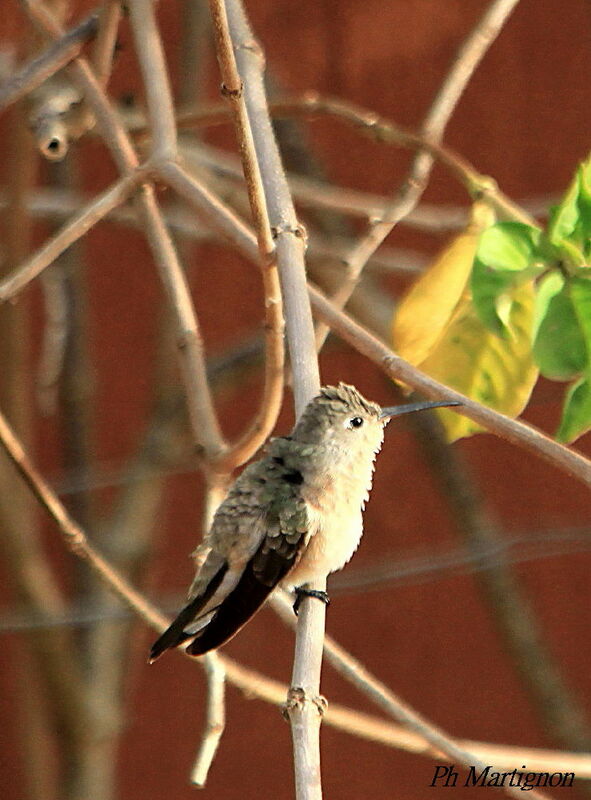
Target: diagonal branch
<point>77,226</point>
<point>379,128</point>
<point>39,69</point>
<point>513,430</point>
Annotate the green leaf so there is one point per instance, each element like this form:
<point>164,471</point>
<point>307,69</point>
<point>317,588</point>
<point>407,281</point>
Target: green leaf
<point>576,414</point>
<point>559,347</point>
<point>508,246</point>
<point>491,292</point>
<point>497,372</point>
<point>585,197</point>
<point>570,253</point>
<point>565,217</point>
<point>580,292</point>
<point>487,285</point>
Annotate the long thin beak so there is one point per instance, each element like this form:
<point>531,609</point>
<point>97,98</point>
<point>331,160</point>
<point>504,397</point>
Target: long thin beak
<point>397,411</point>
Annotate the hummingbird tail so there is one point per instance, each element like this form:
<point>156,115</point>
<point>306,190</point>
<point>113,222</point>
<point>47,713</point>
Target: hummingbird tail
<point>264,571</point>
<point>239,606</point>
<point>175,634</point>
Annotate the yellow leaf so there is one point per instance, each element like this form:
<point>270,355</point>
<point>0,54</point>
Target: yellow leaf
<point>498,372</point>
<point>429,305</point>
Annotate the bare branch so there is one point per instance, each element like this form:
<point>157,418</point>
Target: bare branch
<point>215,721</point>
<point>43,66</point>
<point>354,671</point>
<point>210,208</point>
<point>204,422</point>
<point>149,50</point>
<point>106,39</point>
<point>80,224</point>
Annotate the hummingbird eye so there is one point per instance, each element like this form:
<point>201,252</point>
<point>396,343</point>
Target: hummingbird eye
<point>355,422</point>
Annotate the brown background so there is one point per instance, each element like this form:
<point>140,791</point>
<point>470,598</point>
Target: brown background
<point>524,119</point>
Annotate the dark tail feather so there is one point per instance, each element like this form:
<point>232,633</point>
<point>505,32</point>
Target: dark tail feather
<point>239,606</point>
<point>175,633</point>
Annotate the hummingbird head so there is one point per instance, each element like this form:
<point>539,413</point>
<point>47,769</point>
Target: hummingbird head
<point>344,421</point>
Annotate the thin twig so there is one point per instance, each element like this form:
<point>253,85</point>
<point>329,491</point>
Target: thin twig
<point>106,40</point>
<point>76,227</point>
<point>210,208</point>
<point>314,193</point>
<point>215,718</point>
<point>204,421</point>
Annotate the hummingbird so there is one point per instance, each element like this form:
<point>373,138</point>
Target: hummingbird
<point>290,518</point>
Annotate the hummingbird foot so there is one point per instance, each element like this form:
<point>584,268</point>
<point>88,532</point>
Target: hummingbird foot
<point>300,592</point>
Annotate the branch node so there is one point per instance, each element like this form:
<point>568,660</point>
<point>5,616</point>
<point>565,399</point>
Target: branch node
<point>297,699</point>
<point>234,93</point>
<point>299,231</point>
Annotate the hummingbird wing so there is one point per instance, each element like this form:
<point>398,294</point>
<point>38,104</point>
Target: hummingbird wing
<point>287,527</point>
<point>257,536</point>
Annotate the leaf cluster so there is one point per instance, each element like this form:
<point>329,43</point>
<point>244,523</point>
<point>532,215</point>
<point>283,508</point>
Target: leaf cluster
<point>438,329</point>
<point>556,262</point>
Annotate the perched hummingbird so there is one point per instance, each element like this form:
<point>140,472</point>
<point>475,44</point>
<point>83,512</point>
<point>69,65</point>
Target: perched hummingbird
<point>292,517</point>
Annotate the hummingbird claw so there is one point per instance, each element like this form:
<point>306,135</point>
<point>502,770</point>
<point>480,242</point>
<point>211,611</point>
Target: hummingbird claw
<point>300,592</point>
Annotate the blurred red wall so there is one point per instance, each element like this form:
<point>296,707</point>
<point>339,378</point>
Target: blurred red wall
<point>524,119</point>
